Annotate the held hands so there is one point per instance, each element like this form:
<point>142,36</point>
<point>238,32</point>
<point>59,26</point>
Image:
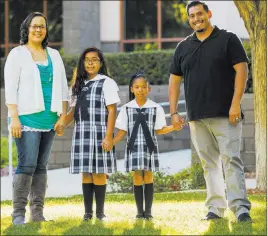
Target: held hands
<point>15,127</point>
<point>177,122</point>
<point>235,114</point>
<point>59,126</point>
<point>107,144</point>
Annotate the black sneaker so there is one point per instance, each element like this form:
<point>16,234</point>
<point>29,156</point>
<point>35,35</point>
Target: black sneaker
<point>140,216</point>
<point>101,216</point>
<point>148,216</point>
<point>211,216</point>
<point>244,217</point>
<point>87,216</point>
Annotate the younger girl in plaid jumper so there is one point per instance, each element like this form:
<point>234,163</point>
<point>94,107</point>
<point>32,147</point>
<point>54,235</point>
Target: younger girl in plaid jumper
<point>141,119</point>
<point>94,100</point>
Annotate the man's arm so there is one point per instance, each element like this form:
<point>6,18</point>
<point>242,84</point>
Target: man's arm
<point>241,77</point>
<point>173,94</point>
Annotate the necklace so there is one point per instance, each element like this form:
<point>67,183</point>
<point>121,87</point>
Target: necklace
<point>34,53</point>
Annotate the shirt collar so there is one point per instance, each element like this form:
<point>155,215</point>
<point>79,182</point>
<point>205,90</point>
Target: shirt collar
<point>149,103</point>
<point>214,32</point>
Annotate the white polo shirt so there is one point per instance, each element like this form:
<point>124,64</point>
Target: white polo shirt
<point>110,91</point>
<point>122,119</point>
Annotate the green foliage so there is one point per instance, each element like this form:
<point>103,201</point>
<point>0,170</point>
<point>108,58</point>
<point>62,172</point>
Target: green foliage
<point>4,153</point>
<point>121,66</point>
<point>190,178</point>
<point>155,64</point>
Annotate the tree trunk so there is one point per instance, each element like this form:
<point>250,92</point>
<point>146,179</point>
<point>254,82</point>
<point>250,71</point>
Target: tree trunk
<point>254,15</point>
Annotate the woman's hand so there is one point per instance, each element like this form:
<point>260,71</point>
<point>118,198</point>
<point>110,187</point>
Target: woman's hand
<point>15,127</point>
<point>107,143</point>
<point>59,126</point>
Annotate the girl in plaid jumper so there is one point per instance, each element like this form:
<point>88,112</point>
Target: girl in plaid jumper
<point>141,119</point>
<point>93,108</point>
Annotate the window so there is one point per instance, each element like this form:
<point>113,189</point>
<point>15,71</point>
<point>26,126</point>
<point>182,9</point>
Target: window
<point>150,25</point>
<point>17,15</point>
<point>174,20</point>
<point>2,20</point>
<point>140,19</point>
<point>17,11</point>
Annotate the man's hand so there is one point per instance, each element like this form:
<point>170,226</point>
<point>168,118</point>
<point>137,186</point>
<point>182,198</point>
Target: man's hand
<point>234,114</point>
<point>177,122</point>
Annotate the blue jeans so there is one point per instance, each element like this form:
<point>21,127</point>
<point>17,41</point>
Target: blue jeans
<point>33,152</point>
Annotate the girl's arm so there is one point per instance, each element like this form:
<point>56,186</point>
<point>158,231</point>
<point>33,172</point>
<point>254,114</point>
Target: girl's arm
<point>166,130</point>
<point>107,143</point>
<point>119,136</point>
<point>69,118</point>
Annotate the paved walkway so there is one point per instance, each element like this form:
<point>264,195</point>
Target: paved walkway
<point>63,184</point>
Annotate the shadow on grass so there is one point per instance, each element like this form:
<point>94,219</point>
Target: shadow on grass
<point>27,229</point>
<point>222,227</point>
<point>90,228</point>
<point>142,227</point>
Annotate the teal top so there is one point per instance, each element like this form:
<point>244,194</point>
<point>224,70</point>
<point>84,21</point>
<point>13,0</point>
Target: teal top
<point>44,119</point>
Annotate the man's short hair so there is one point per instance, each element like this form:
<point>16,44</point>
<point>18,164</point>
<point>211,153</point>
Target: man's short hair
<point>195,3</point>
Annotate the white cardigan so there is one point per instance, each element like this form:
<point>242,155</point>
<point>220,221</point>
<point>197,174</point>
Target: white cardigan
<point>23,84</point>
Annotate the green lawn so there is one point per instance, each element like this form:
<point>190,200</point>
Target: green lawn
<point>176,213</point>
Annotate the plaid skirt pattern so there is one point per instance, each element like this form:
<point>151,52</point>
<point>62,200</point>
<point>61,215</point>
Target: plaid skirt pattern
<point>87,155</point>
<point>140,158</point>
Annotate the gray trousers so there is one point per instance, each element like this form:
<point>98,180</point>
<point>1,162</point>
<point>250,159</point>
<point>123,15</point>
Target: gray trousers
<point>217,144</point>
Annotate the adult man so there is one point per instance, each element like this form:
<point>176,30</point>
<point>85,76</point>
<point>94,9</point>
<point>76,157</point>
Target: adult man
<point>213,64</point>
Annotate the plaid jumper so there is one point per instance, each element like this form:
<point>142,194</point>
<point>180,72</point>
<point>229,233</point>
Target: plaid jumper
<point>91,114</point>
<point>140,158</point>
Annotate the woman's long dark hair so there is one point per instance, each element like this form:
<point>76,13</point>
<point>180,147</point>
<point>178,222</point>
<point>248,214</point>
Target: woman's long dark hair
<point>80,74</point>
<point>135,76</point>
<point>24,29</point>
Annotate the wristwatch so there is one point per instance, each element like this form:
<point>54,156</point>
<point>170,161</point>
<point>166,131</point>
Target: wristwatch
<point>174,113</point>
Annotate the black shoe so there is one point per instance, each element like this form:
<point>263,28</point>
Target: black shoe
<point>87,216</point>
<point>148,216</point>
<point>244,217</point>
<point>101,216</point>
<point>140,216</point>
<point>211,216</point>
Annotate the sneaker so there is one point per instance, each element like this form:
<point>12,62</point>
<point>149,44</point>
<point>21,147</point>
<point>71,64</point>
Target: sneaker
<point>87,216</point>
<point>244,217</point>
<point>101,216</point>
<point>140,216</point>
<point>19,220</point>
<point>148,216</point>
<point>211,216</point>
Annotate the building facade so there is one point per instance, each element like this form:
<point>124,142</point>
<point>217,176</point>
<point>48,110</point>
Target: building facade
<point>113,26</point>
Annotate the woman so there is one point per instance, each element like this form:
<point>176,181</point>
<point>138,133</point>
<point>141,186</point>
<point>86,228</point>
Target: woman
<point>36,94</point>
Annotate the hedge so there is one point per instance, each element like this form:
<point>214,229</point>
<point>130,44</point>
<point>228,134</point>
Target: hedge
<point>155,64</point>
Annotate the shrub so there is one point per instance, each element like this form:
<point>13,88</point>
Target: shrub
<point>4,153</point>
<point>155,64</point>
<point>190,178</point>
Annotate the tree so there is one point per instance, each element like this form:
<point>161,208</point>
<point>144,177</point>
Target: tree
<point>254,15</point>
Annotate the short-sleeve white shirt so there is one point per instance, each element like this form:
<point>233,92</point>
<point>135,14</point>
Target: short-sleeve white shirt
<point>110,91</point>
<point>122,118</point>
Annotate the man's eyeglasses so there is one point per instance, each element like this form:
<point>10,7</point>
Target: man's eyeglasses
<point>93,60</point>
<point>35,27</point>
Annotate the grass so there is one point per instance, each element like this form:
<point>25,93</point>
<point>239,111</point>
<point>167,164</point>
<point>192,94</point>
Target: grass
<point>175,213</point>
